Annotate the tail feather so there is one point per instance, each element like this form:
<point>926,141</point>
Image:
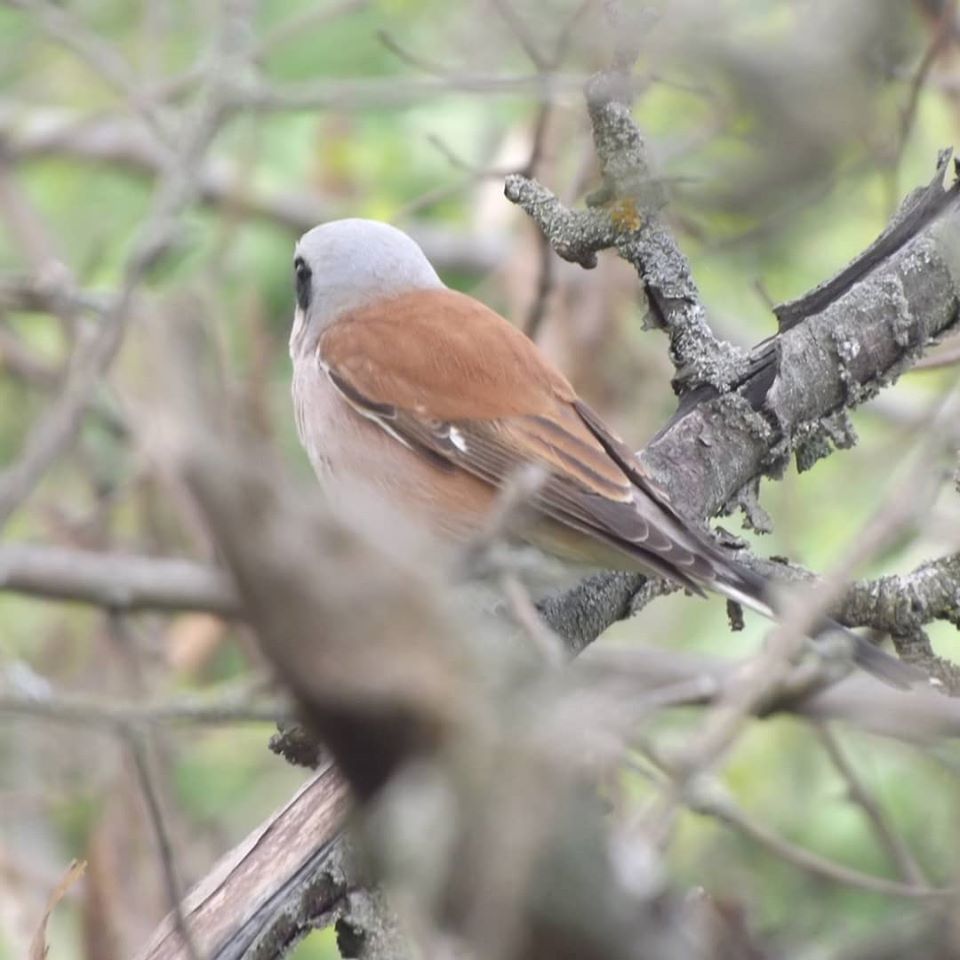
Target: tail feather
<point>753,591</point>
<point>881,665</point>
<point>662,540</point>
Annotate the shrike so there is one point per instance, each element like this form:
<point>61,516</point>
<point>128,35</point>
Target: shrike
<point>425,400</point>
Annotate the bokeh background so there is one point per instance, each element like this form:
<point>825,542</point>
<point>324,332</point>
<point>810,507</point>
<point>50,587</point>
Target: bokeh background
<point>784,134</point>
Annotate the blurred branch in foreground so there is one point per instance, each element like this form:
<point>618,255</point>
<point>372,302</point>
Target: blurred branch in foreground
<point>387,688</point>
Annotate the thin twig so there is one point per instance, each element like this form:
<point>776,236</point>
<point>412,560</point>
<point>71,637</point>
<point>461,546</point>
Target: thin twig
<point>360,93</point>
<point>524,35</point>
<point>545,66</point>
<point>947,356</point>
<point>57,431</point>
<point>512,509</point>
<point>116,714</point>
<point>309,18</point>
<point>28,367</point>
<point>525,615</point>
<point>538,309</point>
<point>164,846</point>
<point>460,163</point>
<point>433,196</point>
<point>942,34</point>
<point>727,812</point>
<point>710,798</point>
<point>104,59</point>
<point>122,145</point>
<point>93,356</point>
<point>891,841</point>
<point>411,59</point>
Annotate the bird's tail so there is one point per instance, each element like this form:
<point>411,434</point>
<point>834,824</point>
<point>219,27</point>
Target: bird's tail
<point>753,591</point>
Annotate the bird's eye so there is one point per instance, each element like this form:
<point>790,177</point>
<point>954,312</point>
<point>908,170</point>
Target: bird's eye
<point>303,275</point>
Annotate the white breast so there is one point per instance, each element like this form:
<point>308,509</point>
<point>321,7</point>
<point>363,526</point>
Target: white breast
<point>340,446</point>
<point>362,469</point>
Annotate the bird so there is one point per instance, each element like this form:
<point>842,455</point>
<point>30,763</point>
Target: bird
<point>424,399</point>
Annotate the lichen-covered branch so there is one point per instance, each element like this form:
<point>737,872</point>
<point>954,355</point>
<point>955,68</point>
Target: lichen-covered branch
<point>747,416</point>
<point>575,236</point>
<point>625,215</point>
<point>899,604</point>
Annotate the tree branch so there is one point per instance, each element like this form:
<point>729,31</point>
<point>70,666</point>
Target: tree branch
<point>129,147</point>
<point>223,904</point>
<point>176,189</point>
<point>900,604</point>
<point>852,337</point>
<point>116,581</point>
<point>284,878</point>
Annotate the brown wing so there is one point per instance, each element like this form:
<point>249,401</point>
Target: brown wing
<point>454,380</point>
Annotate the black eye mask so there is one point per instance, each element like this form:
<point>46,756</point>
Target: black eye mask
<point>303,275</point>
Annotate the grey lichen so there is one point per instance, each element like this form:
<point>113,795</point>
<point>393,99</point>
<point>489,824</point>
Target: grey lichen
<point>625,215</point>
<point>698,361</point>
<point>737,412</point>
<point>903,322</point>
<point>747,499</point>
<point>816,439</point>
<point>848,349</point>
<point>370,930</point>
<point>620,146</point>
<point>582,613</point>
<point>575,236</point>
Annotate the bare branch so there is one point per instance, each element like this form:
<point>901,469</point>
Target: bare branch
<point>711,803</point>
<point>399,91</point>
<point>918,715</point>
<point>891,841</point>
<point>165,852</point>
<point>312,17</point>
<point>114,715</point>
<point>116,581</point>
<point>57,430</point>
<point>104,59</point>
<point>111,140</point>
<point>272,888</point>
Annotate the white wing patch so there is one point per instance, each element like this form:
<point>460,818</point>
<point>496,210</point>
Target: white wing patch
<point>382,417</point>
<point>456,438</point>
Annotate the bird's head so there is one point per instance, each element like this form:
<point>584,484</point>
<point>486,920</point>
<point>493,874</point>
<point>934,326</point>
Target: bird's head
<point>343,265</point>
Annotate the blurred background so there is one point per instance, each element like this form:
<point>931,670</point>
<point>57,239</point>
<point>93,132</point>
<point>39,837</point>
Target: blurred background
<point>784,135</point>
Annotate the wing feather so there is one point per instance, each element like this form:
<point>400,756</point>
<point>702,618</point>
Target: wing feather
<point>473,393</point>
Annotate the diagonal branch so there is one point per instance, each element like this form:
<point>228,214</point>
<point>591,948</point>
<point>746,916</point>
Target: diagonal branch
<point>744,417</point>
<point>177,189</point>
